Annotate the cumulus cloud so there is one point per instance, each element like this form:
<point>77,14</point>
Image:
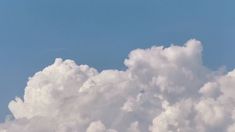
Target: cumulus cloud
<point>163,89</point>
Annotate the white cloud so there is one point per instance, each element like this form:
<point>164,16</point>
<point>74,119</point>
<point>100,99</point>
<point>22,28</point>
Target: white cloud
<point>162,90</point>
<point>98,126</point>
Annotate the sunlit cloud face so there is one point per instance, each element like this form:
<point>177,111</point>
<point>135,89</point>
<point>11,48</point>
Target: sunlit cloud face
<point>163,89</point>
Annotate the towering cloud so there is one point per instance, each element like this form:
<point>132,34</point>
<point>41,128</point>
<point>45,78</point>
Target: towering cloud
<point>162,90</point>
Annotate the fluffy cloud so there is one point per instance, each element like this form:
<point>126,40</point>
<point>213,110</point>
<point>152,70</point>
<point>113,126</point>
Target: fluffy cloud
<point>163,89</point>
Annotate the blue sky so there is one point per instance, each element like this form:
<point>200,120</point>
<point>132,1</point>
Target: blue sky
<point>101,33</point>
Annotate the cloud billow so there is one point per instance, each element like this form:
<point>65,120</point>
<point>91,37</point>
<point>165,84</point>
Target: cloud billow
<point>163,89</point>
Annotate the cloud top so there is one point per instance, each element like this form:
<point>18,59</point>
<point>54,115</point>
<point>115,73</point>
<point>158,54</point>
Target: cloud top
<point>163,89</point>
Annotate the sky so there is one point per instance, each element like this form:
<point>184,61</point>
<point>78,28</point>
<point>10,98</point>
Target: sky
<point>102,33</point>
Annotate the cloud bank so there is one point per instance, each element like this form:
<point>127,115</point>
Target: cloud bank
<point>163,89</point>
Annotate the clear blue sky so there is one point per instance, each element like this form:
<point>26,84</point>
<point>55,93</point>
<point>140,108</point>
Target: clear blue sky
<point>101,33</point>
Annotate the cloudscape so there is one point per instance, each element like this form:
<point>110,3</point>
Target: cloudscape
<point>162,89</point>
